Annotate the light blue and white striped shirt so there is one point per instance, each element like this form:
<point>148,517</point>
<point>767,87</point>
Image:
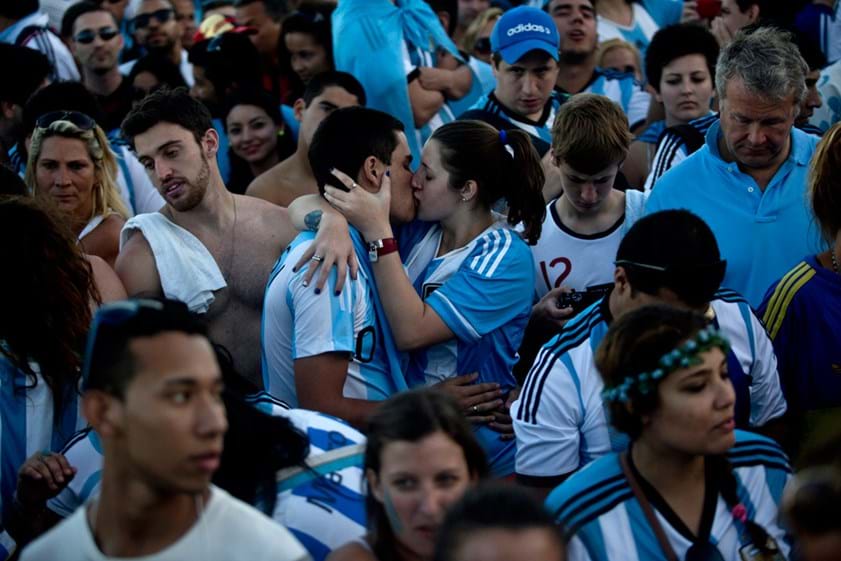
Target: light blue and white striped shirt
<point>483,292</point>
<point>603,520</point>
<point>28,425</point>
<point>298,323</point>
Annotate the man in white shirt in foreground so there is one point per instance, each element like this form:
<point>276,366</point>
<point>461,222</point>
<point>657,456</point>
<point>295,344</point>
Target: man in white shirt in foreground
<point>153,393</point>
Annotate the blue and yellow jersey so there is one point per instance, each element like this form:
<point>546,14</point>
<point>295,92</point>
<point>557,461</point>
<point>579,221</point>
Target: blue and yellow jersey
<point>802,312</point>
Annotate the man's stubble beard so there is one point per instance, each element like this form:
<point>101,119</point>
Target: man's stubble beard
<point>198,188</point>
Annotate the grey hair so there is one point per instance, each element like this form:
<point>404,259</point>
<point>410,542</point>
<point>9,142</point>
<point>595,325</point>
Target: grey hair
<point>767,61</point>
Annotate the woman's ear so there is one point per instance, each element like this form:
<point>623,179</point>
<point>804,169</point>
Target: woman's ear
<point>469,191</point>
<point>374,485</point>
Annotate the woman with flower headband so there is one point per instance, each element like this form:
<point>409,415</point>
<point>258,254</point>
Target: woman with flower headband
<point>690,486</point>
<point>71,164</point>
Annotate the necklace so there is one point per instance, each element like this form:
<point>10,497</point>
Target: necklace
<point>233,239</point>
<point>834,262</point>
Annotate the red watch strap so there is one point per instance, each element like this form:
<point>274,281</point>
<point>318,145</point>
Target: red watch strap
<point>389,246</point>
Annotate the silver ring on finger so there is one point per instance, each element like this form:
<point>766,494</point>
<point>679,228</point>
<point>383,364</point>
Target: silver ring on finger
<point>475,409</point>
<point>318,258</point>
<point>354,185</point>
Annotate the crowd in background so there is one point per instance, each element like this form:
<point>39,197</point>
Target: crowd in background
<point>408,280</point>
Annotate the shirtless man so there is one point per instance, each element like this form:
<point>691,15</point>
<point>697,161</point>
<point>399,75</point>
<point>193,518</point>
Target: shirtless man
<point>174,139</point>
<point>293,177</point>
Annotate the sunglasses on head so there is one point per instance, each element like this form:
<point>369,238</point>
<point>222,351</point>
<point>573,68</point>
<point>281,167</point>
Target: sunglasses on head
<point>79,119</point>
<point>86,36</point>
<point>482,45</point>
<point>161,16</point>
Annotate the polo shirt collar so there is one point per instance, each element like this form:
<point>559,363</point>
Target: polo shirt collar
<point>801,150</point>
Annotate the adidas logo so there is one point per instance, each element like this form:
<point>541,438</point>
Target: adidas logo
<point>526,27</point>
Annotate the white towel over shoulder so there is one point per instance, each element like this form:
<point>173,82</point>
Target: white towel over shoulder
<point>187,270</point>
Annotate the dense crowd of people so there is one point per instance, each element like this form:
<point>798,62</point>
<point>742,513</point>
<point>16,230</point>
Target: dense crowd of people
<point>420,280</point>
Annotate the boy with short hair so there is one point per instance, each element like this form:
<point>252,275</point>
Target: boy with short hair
<point>590,140</point>
<point>584,225</point>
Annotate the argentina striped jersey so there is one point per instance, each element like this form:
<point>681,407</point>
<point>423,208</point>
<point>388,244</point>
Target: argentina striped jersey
<point>672,149</point>
<point>483,293</point>
<point>560,420</point>
<point>298,323</point>
<point>489,109</point>
<point>603,520</point>
<point>624,90</point>
<point>27,426</point>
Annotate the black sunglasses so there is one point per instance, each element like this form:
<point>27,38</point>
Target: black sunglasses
<point>161,16</point>
<point>482,45</point>
<point>79,119</point>
<point>86,36</point>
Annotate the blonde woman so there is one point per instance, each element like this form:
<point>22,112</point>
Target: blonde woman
<point>620,55</point>
<point>477,38</point>
<point>71,165</point>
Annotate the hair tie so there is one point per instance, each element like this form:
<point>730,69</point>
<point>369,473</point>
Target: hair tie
<point>739,512</point>
<point>503,137</point>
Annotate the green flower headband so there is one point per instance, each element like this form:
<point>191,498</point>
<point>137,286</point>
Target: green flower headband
<point>686,355</point>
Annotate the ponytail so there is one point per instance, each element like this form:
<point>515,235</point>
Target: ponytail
<point>504,164</point>
<point>758,536</point>
<point>523,188</point>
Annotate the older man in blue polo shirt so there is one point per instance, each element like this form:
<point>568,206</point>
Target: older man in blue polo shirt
<point>748,181</point>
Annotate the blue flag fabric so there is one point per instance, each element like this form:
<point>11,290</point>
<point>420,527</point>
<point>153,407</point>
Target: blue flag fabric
<point>368,38</point>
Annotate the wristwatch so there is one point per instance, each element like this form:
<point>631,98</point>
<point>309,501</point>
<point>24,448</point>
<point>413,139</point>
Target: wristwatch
<point>378,248</point>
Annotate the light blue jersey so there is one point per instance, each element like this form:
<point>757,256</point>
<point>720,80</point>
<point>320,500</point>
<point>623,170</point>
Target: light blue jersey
<point>560,420</point>
<point>603,520</point>
<point>489,109</point>
<point>298,323</point>
<point>415,58</point>
<point>27,426</point>
<point>829,86</point>
<point>624,90</point>
<point>324,508</point>
<point>483,292</point>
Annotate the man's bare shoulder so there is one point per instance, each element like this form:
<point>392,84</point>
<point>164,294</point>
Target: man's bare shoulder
<point>263,217</point>
<point>271,185</point>
<point>136,266</point>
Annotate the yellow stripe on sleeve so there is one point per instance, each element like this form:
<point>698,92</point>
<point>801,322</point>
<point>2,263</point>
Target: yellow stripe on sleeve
<point>798,283</point>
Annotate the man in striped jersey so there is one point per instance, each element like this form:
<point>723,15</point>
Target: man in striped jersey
<point>329,352</point>
<point>525,46</point>
<point>669,257</point>
<point>578,73</point>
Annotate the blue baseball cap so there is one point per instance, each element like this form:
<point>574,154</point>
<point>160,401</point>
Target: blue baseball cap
<point>524,29</point>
